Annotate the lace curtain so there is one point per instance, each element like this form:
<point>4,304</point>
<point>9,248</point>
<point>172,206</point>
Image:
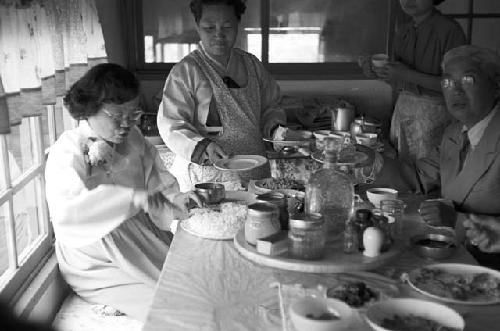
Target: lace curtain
<point>45,46</point>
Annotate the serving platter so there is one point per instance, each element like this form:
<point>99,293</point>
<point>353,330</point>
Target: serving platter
<point>335,259</point>
<point>240,163</point>
<point>364,156</point>
<point>465,270</point>
<point>231,196</point>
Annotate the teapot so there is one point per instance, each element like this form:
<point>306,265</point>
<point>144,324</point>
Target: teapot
<point>365,124</point>
<point>342,116</point>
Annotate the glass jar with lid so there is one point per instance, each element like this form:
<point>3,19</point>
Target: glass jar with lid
<point>306,237</point>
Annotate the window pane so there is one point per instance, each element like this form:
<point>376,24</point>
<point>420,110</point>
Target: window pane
<point>487,7</point>
<point>481,33</point>
<point>455,7</point>
<point>4,256</point>
<point>20,149</point>
<point>170,34</point>
<point>305,31</point>
<point>26,211</point>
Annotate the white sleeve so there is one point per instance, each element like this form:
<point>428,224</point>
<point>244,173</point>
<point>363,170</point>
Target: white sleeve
<point>272,113</point>
<point>177,111</point>
<point>81,216</point>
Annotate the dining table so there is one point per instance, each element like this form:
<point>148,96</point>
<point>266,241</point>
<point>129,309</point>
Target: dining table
<point>208,285</point>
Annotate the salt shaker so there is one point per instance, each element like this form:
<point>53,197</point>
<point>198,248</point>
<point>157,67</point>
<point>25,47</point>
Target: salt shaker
<point>373,239</point>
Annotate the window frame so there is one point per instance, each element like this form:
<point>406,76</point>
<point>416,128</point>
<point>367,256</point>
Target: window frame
<point>132,26</point>
<point>23,268</point>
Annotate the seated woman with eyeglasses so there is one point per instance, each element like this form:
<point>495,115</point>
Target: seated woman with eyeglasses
<point>109,195</point>
<point>218,100</point>
<point>466,169</point>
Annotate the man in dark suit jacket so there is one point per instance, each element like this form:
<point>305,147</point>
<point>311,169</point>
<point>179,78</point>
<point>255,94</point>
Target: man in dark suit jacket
<point>466,168</point>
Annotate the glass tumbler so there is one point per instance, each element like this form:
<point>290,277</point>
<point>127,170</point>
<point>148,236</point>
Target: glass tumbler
<point>394,209</point>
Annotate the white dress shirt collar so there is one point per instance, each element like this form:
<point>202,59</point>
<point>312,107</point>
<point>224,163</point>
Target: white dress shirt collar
<point>476,132</point>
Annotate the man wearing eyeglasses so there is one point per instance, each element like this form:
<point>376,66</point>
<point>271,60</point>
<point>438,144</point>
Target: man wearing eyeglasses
<point>466,167</point>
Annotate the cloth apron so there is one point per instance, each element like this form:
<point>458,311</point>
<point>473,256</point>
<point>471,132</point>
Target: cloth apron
<point>418,124</point>
<point>239,111</point>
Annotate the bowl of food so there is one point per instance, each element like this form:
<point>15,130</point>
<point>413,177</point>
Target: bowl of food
<point>320,314</point>
<point>435,246</point>
<point>377,194</point>
<point>413,315</point>
<point>212,193</point>
<point>379,60</point>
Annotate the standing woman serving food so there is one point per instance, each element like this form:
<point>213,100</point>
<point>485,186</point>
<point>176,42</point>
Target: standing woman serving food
<point>101,179</point>
<point>420,115</point>
<point>218,100</point>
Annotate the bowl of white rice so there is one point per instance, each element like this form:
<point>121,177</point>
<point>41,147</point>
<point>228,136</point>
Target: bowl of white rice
<point>216,224</point>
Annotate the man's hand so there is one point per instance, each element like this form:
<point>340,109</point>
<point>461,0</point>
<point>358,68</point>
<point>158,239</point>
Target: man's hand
<point>484,232</point>
<point>438,213</point>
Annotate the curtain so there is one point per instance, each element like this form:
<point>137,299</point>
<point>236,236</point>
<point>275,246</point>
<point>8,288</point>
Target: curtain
<point>45,46</point>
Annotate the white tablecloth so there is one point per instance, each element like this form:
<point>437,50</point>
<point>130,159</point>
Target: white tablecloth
<point>207,285</point>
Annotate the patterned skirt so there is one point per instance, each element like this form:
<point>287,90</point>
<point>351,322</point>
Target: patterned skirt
<point>417,125</point>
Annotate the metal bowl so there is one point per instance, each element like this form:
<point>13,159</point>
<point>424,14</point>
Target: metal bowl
<point>211,192</point>
<point>434,246</point>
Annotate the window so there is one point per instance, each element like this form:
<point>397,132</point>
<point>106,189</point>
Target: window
<point>25,233</point>
<point>293,38</point>
<point>478,18</point>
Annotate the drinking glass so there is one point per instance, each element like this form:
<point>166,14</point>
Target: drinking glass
<point>394,209</point>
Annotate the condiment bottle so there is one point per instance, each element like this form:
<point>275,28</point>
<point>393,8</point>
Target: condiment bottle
<point>261,222</point>
<point>373,239</point>
<point>351,238</point>
<point>362,219</point>
<point>306,238</point>
<point>380,221</point>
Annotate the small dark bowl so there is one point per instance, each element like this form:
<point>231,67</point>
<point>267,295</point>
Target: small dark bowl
<point>211,192</point>
<point>435,246</point>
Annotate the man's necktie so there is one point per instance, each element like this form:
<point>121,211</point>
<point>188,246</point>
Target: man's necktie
<point>230,83</point>
<point>464,150</point>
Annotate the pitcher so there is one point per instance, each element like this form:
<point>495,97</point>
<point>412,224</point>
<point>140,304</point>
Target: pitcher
<point>342,116</point>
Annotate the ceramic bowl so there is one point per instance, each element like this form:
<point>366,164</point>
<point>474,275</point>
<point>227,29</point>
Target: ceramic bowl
<point>438,313</point>
<point>320,314</point>
<point>435,246</point>
<point>379,60</point>
<point>366,139</point>
<point>212,193</point>
<point>377,194</point>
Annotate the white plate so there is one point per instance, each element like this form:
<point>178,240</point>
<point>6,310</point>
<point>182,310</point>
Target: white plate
<point>231,196</point>
<point>456,268</point>
<point>240,163</point>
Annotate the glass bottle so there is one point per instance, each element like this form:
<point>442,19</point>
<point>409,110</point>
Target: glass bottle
<point>351,238</point>
<point>330,192</point>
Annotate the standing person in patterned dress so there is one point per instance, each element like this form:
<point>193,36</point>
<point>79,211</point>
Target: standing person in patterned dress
<point>420,115</point>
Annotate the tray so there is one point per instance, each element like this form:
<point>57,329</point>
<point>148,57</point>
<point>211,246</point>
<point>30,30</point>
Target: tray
<point>364,156</point>
<point>335,260</point>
